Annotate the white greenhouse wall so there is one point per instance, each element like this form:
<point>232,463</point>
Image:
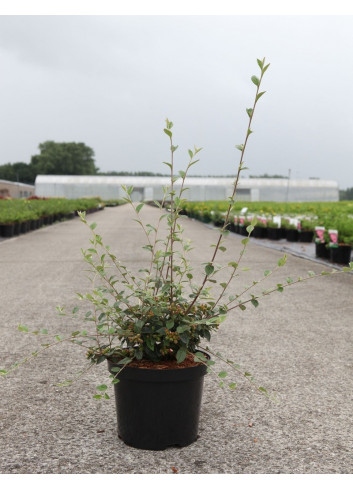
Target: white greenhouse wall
<point>199,189</point>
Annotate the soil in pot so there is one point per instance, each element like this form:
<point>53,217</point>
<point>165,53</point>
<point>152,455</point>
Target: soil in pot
<point>159,407</point>
<point>341,254</point>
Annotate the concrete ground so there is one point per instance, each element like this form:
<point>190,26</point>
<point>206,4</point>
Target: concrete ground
<point>298,344</point>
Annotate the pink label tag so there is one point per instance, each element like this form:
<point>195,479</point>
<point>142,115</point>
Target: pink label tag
<point>333,233</point>
<point>299,226</point>
<point>235,219</point>
<point>320,233</point>
<point>241,219</point>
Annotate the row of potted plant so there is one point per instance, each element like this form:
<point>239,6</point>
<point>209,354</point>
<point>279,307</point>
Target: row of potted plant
<point>19,216</point>
<point>292,228</point>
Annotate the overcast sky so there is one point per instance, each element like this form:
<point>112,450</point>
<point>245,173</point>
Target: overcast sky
<point>110,82</point>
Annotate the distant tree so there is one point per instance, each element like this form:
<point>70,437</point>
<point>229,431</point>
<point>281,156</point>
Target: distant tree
<point>64,159</point>
<point>346,194</point>
<point>17,172</point>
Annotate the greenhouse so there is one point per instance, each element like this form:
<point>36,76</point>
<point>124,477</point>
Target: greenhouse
<point>199,188</point>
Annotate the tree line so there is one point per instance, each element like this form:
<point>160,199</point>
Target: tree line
<point>53,159</point>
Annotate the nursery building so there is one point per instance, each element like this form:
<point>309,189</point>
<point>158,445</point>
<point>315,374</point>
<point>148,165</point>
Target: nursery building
<point>15,190</point>
<point>199,188</point>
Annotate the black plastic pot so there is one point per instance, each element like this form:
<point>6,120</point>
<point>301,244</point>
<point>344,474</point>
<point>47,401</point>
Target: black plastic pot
<point>342,254</point>
<point>242,230</point>
<point>16,228</point>
<point>292,235</point>
<point>24,227</point>
<point>157,408</point>
<point>6,230</point>
<point>306,236</point>
<point>259,232</point>
<point>321,250</point>
<point>274,233</point>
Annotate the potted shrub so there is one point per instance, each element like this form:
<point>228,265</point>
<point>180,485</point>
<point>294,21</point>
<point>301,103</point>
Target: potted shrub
<point>273,230</point>
<point>306,231</point>
<point>260,229</point>
<point>321,242</point>
<point>149,326</point>
<point>340,245</point>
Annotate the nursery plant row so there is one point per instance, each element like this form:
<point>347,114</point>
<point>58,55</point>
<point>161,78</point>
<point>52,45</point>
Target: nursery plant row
<point>19,216</point>
<point>328,224</point>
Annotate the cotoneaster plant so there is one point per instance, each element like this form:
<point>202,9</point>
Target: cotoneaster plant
<point>162,314</point>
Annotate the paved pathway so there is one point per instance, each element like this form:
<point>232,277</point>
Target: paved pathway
<point>297,344</point>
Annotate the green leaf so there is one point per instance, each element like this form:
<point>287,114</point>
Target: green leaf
<point>282,261</point>
<point>267,272</point>
<point>139,207</point>
<point>169,324</point>
<point>255,80</point>
<point>232,386</point>
<point>168,164</point>
<point>260,63</point>
<point>279,287</point>
<point>259,95</point>
<point>93,225</point>
<point>240,147</point>
<point>22,328</point>
<point>233,264</point>
<point>43,331</point>
<point>191,154</point>
<point>181,354</point>
<point>174,148</point>
<point>3,372</point>
<point>311,274</point>
<point>102,387</point>
<point>250,229</point>
<point>245,241</point>
<point>222,374</point>
<point>182,173</point>
<point>222,248</point>
<point>124,361</point>
<point>209,269</point>
<point>168,133</point>
<point>242,307</point>
<point>97,396</point>
<point>263,71</point>
<point>200,356</point>
<point>249,112</point>
<point>254,302</point>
